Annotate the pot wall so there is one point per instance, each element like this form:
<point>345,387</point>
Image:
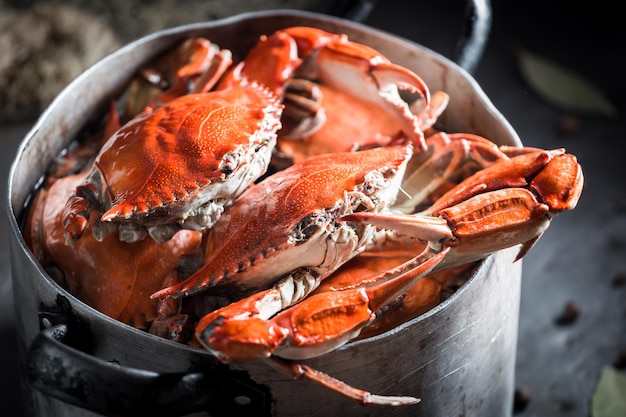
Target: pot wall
<point>458,358</point>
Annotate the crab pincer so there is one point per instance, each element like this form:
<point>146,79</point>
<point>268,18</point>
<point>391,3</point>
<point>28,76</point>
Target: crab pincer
<point>509,203</point>
<point>339,95</point>
<point>314,326</point>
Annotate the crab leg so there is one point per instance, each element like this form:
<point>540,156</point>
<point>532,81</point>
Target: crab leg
<point>299,370</point>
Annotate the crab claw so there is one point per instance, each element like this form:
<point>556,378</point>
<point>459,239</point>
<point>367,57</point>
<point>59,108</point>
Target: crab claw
<point>331,60</point>
<point>195,66</point>
<point>316,325</point>
<point>508,173</point>
<point>271,63</point>
<point>506,204</point>
<point>560,183</point>
<point>75,218</point>
<point>370,77</point>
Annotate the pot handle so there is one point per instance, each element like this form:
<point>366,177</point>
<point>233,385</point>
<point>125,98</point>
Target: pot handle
<point>470,44</point>
<point>474,34</point>
<point>56,369</point>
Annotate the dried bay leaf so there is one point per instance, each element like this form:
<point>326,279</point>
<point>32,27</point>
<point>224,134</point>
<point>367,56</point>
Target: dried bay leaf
<point>562,87</point>
<point>609,397</point>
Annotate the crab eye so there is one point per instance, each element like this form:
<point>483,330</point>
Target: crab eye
<point>308,226</point>
<point>374,182</point>
<point>230,163</point>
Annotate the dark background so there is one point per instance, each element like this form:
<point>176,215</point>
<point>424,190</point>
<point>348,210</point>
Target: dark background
<point>580,259</point>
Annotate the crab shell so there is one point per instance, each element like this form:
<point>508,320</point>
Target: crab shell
<point>113,277</point>
<point>287,222</point>
<point>181,162</point>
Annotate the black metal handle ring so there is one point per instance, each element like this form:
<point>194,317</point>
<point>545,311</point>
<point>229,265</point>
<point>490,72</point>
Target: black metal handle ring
<point>61,371</point>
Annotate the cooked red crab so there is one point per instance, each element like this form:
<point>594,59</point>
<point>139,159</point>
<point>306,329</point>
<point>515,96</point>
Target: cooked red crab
<point>114,277</point>
<point>177,165</point>
<point>286,225</point>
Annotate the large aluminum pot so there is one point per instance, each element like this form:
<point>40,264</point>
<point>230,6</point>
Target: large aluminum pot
<point>458,358</point>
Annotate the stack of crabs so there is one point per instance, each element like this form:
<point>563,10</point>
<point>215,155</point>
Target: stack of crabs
<point>278,207</point>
